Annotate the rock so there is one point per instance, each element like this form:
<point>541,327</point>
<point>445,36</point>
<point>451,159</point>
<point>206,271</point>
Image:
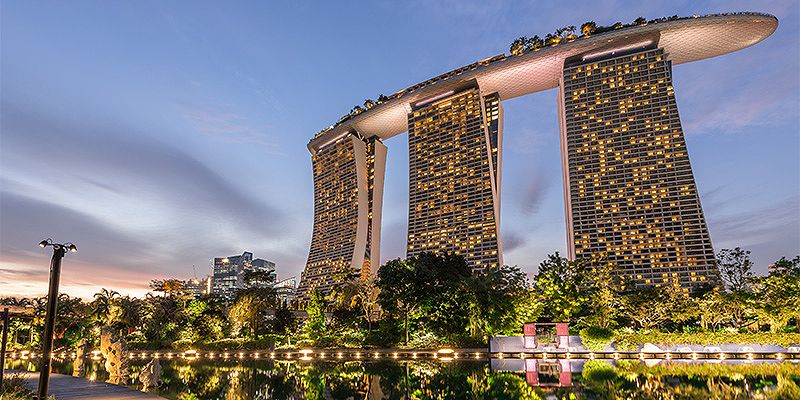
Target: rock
<point>79,364</point>
<point>150,374</point>
<point>115,353</point>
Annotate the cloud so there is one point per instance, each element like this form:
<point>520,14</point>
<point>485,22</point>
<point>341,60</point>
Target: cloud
<point>768,231</point>
<point>512,241</point>
<point>230,127</point>
<point>535,192</point>
<point>131,202</point>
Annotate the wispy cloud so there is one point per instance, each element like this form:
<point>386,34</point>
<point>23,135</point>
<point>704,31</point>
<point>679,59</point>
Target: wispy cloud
<point>230,127</point>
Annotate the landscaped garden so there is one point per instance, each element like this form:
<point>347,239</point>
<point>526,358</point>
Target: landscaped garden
<point>434,301</point>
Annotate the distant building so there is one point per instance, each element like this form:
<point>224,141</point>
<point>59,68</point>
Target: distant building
<point>197,287</point>
<point>286,290</point>
<point>229,274</point>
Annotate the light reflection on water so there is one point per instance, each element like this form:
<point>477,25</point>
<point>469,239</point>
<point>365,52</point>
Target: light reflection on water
<point>431,379</point>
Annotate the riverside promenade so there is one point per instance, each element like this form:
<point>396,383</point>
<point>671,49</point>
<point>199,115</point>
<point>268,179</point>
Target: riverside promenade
<point>66,387</point>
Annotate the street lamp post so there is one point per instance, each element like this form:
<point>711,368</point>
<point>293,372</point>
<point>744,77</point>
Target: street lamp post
<point>59,250</point>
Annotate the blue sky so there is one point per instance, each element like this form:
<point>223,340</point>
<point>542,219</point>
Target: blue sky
<point>158,135</point>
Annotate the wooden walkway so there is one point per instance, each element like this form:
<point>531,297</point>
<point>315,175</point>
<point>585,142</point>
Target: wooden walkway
<point>65,387</point>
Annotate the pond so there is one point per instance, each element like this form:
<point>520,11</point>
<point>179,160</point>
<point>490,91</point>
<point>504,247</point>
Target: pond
<point>458,379</point>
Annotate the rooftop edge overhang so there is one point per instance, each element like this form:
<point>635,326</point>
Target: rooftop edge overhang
<point>684,40</point>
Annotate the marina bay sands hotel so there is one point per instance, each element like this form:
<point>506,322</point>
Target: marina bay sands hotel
<point>629,193</point>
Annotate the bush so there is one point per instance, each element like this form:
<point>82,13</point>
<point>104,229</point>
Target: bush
<point>596,338</point>
<point>631,341</point>
<point>598,371</point>
<point>182,344</point>
<point>13,388</point>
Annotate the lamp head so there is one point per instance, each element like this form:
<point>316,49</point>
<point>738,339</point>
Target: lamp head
<point>43,243</point>
<point>72,248</point>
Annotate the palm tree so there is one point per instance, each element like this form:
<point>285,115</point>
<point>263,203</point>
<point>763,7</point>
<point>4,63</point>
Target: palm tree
<point>570,33</point>
<point>588,28</point>
<point>518,46</point>
<point>534,43</point>
<point>102,306</point>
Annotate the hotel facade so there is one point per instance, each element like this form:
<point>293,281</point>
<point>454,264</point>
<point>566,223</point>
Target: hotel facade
<point>629,192</point>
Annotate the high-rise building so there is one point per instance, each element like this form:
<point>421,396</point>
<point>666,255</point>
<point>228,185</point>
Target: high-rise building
<point>229,274</point>
<point>454,202</point>
<point>631,197</point>
<point>630,194</point>
<point>348,197</point>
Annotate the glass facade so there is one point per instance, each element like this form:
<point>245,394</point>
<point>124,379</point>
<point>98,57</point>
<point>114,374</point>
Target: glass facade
<point>454,197</point>
<point>630,192</point>
<point>348,192</point>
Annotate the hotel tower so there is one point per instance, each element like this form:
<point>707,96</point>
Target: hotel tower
<point>629,193</point>
<point>348,187</point>
<point>454,194</point>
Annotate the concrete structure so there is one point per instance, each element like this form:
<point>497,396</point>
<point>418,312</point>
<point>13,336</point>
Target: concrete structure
<point>440,112</point>
<point>229,273</point>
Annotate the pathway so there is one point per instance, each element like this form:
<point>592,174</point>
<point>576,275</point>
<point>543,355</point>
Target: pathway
<point>66,387</point>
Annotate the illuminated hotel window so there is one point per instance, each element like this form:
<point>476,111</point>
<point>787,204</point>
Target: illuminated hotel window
<point>632,193</point>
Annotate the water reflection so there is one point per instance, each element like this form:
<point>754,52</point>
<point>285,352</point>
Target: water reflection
<point>422,379</point>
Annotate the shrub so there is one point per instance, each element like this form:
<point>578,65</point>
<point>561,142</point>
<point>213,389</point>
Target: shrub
<point>598,371</point>
<point>13,388</point>
<point>182,344</point>
<point>631,341</point>
<point>596,338</point>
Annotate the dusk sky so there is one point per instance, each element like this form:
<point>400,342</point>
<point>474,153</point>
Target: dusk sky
<point>158,135</point>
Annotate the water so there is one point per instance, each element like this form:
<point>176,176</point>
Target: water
<point>432,379</point>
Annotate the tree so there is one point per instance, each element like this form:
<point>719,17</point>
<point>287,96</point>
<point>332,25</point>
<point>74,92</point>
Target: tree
<point>316,309</point>
<point>588,28</point>
<point>518,45</point>
<point>640,21</point>
<point>169,287</point>
<point>778,294</point>
<point>788,267</point>
<point>258,277</point>
<point>250,307</point>
<point>735,269</point>
<point>651,306</point>
<point>399,289</point>
<point>562,287</point>
<point>103,306</point>
<point>368,298</point>
<point>499,302</point>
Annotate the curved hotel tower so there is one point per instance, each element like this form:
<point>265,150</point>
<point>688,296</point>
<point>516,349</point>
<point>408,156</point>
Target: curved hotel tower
<point>629,192</point>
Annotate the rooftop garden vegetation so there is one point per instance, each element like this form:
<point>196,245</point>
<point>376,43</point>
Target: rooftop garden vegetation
<point>435,300</point>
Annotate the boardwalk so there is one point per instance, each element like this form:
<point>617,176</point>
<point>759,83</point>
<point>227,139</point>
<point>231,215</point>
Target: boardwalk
<point>65,387</point>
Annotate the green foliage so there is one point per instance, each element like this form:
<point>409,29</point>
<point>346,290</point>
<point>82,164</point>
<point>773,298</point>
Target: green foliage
<point>651,306</point>
<point>582,291</point>
<point>506,386</point>
<point>596,338</point>
<point>249,309</point>
<point>598,371</point>
<point>629,341</point>
<point>707,370</point>
<point>13,388</point>
<point>316,309</point>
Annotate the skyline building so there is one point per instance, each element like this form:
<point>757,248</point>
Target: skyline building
<point>629,191</point>
<point>630,195</point>
<point>454,202</point>
<point>348,197</point>
<point>229,274</point>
